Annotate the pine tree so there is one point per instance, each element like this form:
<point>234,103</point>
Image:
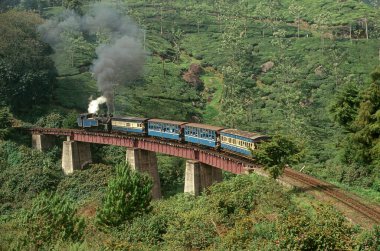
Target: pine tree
<point>128,195</point>
<point>367,121</point>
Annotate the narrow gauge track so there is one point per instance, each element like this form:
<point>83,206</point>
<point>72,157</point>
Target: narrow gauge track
<point>371,212</point>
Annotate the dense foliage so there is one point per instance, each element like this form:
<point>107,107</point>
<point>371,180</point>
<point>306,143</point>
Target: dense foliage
<point>25,173</point>
<point>244,213</point>
<point>27,73</point>
<point>295,68</point>
<point>359,113</point>
<point>128,195</point>
<point>52,217</point>
<point>5,121</point>
<point>276,154</point>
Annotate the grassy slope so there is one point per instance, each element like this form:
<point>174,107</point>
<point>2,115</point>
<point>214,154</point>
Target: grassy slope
<point>166,95</point>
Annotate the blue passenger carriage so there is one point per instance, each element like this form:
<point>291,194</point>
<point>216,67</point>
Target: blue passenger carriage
<point>202,134</point>
<point>240,141</point>
<point>166,128</point>
<point>129,124</point>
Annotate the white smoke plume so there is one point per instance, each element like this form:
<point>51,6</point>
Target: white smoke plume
<point>93,107</point>
<point>120,59</point>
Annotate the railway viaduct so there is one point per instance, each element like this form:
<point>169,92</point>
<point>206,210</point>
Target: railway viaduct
<point>203,166</point>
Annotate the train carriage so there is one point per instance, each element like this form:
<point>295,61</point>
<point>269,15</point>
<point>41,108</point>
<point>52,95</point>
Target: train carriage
<point>240,141</point>
<point>166,128</point>
<point>129,124</point>
<point>202,134</point>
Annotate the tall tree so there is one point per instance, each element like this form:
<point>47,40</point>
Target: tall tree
<point>73,5</point>
<point>297,11</point>
<point>360,114</point>
<point>322,20</point>
<point>367,121</point>
<point>276,154</point>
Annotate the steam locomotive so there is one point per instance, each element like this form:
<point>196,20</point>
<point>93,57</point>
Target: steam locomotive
<point>241,142</point>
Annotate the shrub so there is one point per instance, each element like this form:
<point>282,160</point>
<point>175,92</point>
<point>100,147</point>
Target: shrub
<point>370,240</point>
<point>52,218</point>
<point>193,230</point>
<point>85,183</point>
<point>70,120</point>
<point>148,229</point>
<point>52,120</point>
<point>243,194</point>
<point>5,122</point>
<point>26,173</point>
<point>325,230</point>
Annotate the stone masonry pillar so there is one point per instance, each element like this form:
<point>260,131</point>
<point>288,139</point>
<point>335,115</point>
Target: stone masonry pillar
<point>75,155</point>
<point>145,161</point>
<point>192,177</point>
<point>43,142</point>
<point>199,176</point>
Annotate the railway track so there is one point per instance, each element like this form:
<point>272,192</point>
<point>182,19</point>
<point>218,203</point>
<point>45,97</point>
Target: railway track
<point>370,212</point>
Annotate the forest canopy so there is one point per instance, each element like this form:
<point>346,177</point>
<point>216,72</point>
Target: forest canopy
<point>27,73</point>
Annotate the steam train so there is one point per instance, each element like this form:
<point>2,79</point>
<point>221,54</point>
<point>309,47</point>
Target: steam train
<point>241,142</point>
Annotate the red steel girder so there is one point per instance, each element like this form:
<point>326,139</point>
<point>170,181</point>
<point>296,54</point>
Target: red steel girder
<point>210,157</point>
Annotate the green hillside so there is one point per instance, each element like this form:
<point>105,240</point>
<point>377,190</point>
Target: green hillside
<point>307,70</point>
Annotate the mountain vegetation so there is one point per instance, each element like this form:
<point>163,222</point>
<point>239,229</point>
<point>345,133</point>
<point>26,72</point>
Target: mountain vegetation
<point>305,71</point>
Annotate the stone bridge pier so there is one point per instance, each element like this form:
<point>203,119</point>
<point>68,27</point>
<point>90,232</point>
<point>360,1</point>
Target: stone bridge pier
<point>199,176</point>
<point>145,161</point>
<point>43,142</point>
<point>75,155</point>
